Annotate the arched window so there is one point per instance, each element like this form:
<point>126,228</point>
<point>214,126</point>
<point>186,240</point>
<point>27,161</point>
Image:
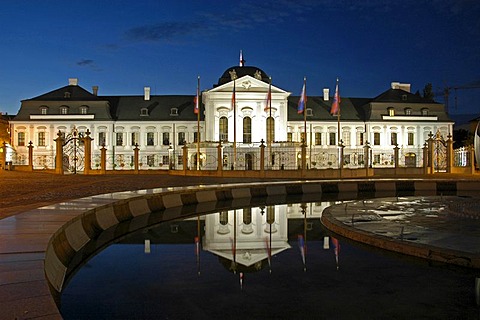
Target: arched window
<point>247,130</point>
<point>270,130</point>
<point>223,126</point>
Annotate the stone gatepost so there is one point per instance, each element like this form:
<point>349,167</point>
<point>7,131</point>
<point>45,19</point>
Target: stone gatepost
<point>87,141</point>
<point>449,153</point>
<point>366,157</point>
<point>103,159</point>
<point>430,153</point>
<point>219,157</point>
<point>341,155</point>
<point>262,157</point>
<point>59,153</point>
<point>135,157</point>
<point>185,158</point>
<point>396,157</point>
<point>304,155</point>
<point>30,155</point>
<point>4,156</point>
<point>472,159</point>
<point>425,158</point>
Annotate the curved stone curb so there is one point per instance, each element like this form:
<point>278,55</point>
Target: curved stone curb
<point>74,235</point>
<point>428,252</point>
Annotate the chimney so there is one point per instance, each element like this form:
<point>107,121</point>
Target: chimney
<point>72,81</point>
<point>401,86</point>
<point>95,90</point>
<point>326,94</point>
<point>146,93</point>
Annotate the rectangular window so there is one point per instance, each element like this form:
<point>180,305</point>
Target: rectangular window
<point>332,138</point>
<point>376,138</point>
<point>393,138</point>
<point>166,138</point>
<point>150,138</point>
<point>346,138</point>
<point>102,138</point>
<point>150,160</point>
<point>181,138</point>
<point>302,137</point>
<point>289,137</point>
<point>21,139</point>
<point>135,138</point>
<point>165,160</point>
<point>119,139</point>
<point>411,139</point>
<point>195,136</point>
<point>180,160</point>
<point>376,159</point>
<point>318,138</point>
<point>41,139</point>
<point>359,138</point>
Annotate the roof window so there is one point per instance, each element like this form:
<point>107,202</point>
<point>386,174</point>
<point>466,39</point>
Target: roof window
<point>144,112</point>
<point>174,111</point>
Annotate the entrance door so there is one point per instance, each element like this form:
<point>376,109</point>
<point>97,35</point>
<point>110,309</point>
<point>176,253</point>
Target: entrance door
<point>248,161</point>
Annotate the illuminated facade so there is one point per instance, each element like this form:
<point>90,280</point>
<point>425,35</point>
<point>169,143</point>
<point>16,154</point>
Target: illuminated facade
<point>160,126</point>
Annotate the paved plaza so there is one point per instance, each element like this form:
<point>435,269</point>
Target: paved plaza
<point>35,205</point>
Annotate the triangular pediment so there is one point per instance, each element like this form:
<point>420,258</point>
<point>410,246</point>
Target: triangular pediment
<point>247,84</point>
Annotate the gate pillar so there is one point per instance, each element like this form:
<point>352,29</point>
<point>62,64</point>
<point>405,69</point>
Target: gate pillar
<point>87,141</point>
<point>59,153</point>
<point>395,155</point>
<point>219,157</point>
<point>449,153</point>
<point>135,157</point>
<point>430,153</point>
<point>103,159</point>
<point>262,157</point>
<point>30,155</point>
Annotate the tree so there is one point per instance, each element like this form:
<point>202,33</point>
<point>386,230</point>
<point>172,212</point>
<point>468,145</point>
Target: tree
<point>427,92</point>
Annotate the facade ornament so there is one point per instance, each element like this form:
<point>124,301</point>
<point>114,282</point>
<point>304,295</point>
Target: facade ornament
<point>233,75</point>
<point>246,84</point>
<point>258,75</point>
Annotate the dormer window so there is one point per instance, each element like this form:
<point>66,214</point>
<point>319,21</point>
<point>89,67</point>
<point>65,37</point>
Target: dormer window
<point>63,110</point>
<point>174,111</point>
<point>67,95</point>
<point>43,109</point>
<point>408,111</point>
<point>144,112</point>
<point>424,111</point>
<point>404,97</point>
<point>391,112</point>
<point>309,112</point>
<point>83,109</point>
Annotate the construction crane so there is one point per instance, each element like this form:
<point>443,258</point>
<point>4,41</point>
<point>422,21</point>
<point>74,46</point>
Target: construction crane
<point>446,92</point>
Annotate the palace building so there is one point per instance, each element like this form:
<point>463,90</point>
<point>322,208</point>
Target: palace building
<point>241,113</point>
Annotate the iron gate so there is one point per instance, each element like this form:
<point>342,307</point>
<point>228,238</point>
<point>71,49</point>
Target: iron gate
<point>73,152</point>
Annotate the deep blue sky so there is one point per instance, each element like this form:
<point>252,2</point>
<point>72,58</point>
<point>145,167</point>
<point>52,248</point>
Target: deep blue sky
<point>122,46</point>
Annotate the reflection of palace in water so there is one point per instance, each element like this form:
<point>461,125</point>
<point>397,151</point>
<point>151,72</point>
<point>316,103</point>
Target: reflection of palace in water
<point>245,239</point>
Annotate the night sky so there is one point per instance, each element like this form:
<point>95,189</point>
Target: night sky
<point>122,46</point>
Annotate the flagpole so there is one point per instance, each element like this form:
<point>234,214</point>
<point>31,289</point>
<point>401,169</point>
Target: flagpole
<point>305,113</point>
<point>269,137</point>
<point>338,114</point>
<point>198,122</point>
<point>234,128</point>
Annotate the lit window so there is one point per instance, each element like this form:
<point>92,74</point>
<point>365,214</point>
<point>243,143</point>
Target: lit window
<point>346,137</point>
<point>408,111</point>
<point>247,130</point>
<point>181,138</point>
<point>411,138</point>
<point>150,138</point>
<point>41,139</point>
<point>332,138</point>
<point>21,139</point>
<point>63,110</point>
<point>289,137</point>
<point>376,138</point>
<point>318,138</point>
<point>393,138</point>
<point>119,140</point>
<point>83,110</point>
<point>391,112</point>
<point>270,129</point>
<point>166,138</point>
<point>223,129</point>
<point>43,109</point>
<point>425,112</point>
<point>135,138</point>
